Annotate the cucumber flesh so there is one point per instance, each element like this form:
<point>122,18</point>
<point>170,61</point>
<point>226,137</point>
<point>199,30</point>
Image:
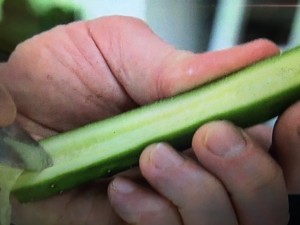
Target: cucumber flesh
<point>8,177</point>
<point>101,149</point>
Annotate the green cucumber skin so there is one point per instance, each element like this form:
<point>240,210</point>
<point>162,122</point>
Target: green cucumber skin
<point>101,149</point>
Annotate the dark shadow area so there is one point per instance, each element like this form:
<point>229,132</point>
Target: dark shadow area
<point>270,19</point>
<point>20,21</point>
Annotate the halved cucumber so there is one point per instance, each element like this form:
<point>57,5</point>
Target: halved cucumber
<point>101,149</point>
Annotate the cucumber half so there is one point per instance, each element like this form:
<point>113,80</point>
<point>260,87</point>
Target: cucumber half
<point>101,149</point>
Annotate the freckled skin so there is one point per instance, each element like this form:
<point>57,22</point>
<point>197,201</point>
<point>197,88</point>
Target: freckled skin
<point>86,71</point>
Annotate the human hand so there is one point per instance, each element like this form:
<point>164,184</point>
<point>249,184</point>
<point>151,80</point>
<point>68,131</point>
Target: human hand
<point>230,180</point>
<point>88,71</point>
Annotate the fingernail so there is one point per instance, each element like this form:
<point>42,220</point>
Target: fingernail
<point>122,185</point>
<point>163,156</point>
<point>224,140</point>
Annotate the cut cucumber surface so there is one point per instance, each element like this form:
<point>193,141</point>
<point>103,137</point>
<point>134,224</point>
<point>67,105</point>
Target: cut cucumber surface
<point>247,97</point>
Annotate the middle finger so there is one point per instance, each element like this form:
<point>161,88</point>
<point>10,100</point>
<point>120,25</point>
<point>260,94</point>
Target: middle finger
<point>251,176</point>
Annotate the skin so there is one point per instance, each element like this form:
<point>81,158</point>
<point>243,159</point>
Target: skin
<point>8,108</point>
<point>87,71</point>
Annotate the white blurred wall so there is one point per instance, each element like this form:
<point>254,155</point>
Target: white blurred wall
<point>187,24</point>
<point>178,22</point>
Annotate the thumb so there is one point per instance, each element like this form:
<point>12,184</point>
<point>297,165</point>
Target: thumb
<point>150,69</point>
<point>7,107</point>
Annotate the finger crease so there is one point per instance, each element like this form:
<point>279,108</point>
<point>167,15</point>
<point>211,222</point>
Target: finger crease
<point>107,63</point>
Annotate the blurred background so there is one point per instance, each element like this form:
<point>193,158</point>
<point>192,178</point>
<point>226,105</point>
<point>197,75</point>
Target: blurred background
<point>196,25</point>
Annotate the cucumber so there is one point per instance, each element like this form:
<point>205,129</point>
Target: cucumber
<point>101,149</point>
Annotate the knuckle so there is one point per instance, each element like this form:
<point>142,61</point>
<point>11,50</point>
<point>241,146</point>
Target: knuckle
<point>165,86</point>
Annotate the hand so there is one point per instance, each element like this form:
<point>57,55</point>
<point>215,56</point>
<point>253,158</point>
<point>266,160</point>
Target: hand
<point>87,71</point>
<point>231,180</point>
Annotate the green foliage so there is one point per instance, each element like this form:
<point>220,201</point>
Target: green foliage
<point>20,20</point>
